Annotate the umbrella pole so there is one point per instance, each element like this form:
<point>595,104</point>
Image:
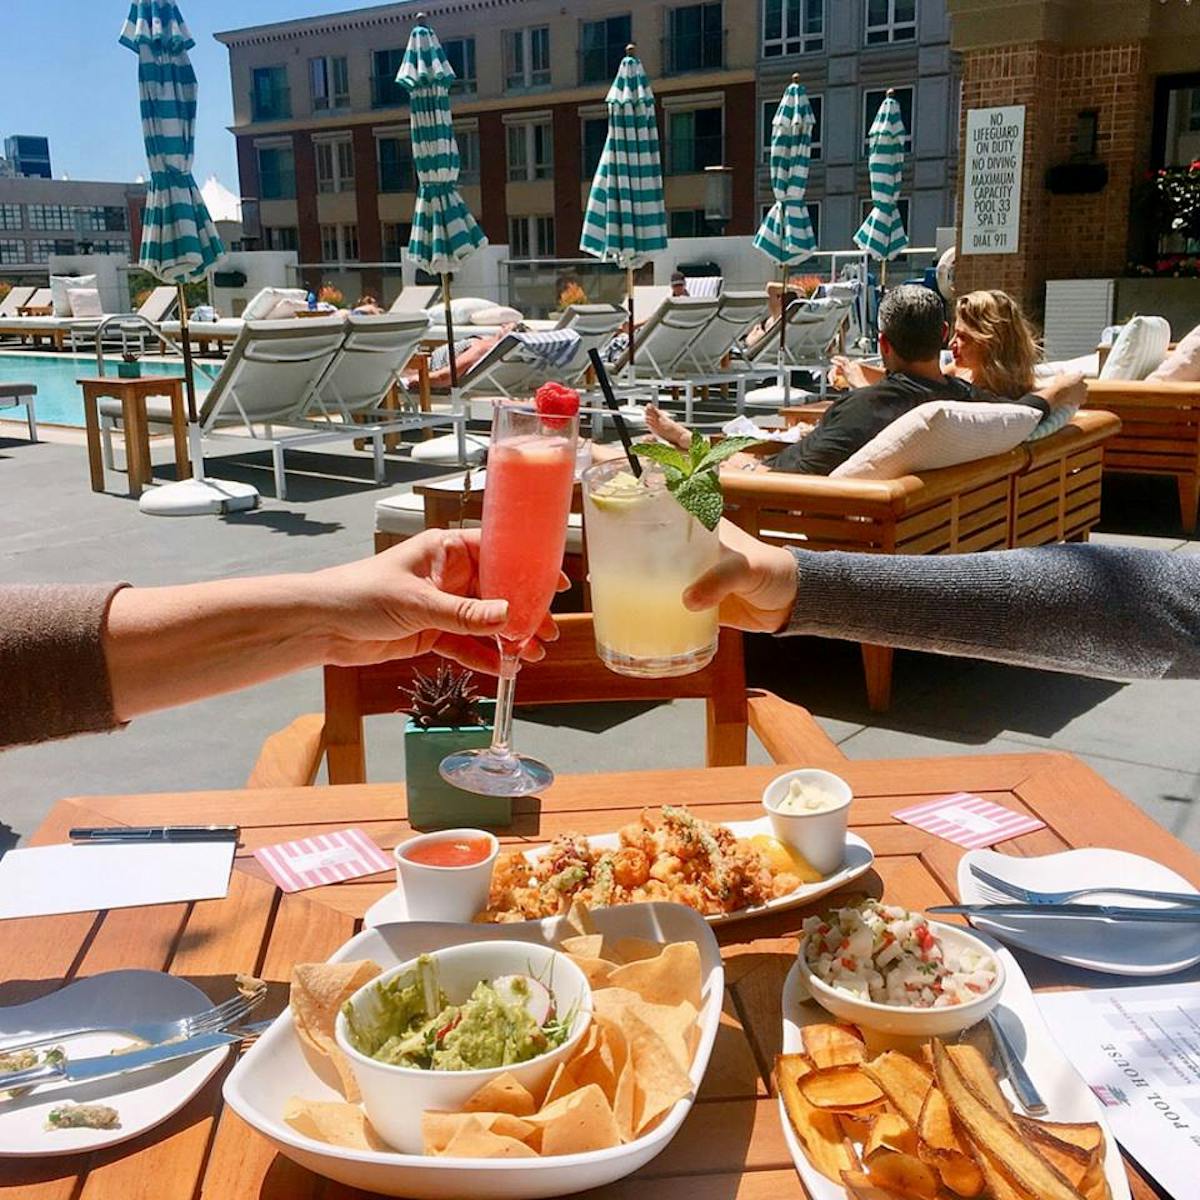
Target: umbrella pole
<point>449,330</point>
<point>631,370</point>
<point>785,376</point>
<point>195,447</point>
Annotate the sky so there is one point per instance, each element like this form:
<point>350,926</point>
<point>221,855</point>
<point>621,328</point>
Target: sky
<point>80,85</point>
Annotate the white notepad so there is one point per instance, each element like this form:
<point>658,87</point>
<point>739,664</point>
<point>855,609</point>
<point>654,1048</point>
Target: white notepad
<point>44,880</point>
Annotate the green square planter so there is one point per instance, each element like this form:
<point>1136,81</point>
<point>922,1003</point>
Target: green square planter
<point>432,802</point>
<point>129,370</point>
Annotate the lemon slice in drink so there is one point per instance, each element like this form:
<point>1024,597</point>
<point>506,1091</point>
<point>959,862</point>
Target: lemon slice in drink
<point>617,493</point>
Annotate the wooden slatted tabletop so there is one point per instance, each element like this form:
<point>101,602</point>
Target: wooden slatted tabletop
<point>730,1148</point>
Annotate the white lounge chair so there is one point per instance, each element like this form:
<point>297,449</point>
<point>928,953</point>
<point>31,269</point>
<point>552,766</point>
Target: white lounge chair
<point>417,297</point>
<point>813,326</point>
<point>737,313</point>
<point>15,298</point>
<point>155,308</point>
<point>18,395</point>
<point>662,339</point>
<point>705,286</point>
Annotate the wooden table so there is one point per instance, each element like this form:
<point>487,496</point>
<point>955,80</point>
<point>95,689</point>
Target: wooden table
<point>35,310</point>
<point>730,1148</point>
<point>132,393</point>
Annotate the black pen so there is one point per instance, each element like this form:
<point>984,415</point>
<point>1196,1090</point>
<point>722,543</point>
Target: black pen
<point>157,833</point>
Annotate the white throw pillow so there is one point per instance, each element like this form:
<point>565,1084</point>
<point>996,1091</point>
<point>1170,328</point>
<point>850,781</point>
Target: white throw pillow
<point>1086,365</point>
<point>1182,365</point>
<point>941,433</point>
<point>85,302</point>
<point>463,308</point>
<point>1140,347</point>
<point>61,284</point>
<point>498,314</point>
<point>262,306</point>
<point>444,449</point>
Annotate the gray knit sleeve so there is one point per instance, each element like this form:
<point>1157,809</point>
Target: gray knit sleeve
<point>1090,610</point>
<point>53,674</point>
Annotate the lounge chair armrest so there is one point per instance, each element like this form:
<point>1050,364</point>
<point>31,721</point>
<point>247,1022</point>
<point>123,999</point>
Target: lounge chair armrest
<point>291,757</point>
<point>1152,392</point>
<point>789,733</point>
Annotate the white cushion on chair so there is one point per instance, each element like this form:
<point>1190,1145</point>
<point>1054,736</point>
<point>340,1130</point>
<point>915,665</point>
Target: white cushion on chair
<point>497,314</point>
<point>263,306</point>
<point>444,449</point>
<point>1140,347</point>
<point>941,433</point>
<point>85,302</point>
<point>1182,365</point>
<point>60,285</point>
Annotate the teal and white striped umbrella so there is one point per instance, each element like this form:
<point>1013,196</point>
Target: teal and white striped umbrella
<point>443,230</point>
<point>882,234</point>
<point>626,219</point>
<point>179,241</point>
<point>786,233</point>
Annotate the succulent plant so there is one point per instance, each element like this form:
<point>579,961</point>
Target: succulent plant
<point>448,698</point>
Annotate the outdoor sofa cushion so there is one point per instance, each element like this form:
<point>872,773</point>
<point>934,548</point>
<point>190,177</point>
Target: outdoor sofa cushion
<point>497,314</point>
<point>60,285</point>
<point>85,302</point>
<point>269,304</point>
<point>444,449</point>
<point>942,433</point>
<point>464,308</point>
<point>1140,347</point>
<point>1182,365</point>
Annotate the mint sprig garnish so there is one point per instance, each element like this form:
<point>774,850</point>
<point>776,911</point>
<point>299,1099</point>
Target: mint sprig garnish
<point>692,475</point>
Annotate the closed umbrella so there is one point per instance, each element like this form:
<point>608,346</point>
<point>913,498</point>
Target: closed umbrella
<point>626,220</point>
<point>444,232</point>
<point>179,242</point>
<point>882,234</point>
<point>786,234</point>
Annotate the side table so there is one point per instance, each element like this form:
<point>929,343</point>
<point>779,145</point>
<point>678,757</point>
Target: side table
<point>132,393</point>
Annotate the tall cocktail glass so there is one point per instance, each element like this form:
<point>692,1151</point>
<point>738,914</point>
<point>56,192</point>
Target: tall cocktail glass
<point>644,548</point>
<point>526,502</point>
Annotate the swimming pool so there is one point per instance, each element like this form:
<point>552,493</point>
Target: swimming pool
<point>59,400</point>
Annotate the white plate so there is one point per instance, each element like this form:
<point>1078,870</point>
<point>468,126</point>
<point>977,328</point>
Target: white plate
<point>142,1098</point>
<point>1114,947</point>
<point>275,1069</point>
<point>1067,1096</point>
<point>859,857</point>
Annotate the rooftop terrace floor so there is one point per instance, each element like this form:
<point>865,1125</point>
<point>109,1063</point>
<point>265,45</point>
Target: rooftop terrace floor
<point>1141,736</point>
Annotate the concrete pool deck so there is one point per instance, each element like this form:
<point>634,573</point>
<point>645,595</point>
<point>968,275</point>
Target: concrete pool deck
<point>1141,736</point>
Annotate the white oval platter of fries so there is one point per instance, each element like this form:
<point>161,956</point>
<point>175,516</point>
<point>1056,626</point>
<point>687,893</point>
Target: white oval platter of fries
<point>906,1119</point>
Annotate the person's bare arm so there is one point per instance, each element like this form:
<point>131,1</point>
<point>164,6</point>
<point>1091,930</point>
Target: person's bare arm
<point>853,373</point>
<point>1067,389</point>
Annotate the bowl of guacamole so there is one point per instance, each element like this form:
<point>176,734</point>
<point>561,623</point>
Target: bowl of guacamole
<point>427,1034</point>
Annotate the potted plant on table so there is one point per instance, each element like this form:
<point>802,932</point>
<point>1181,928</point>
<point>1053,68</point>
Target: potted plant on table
<point>130,366</point>
<point>446,714</point>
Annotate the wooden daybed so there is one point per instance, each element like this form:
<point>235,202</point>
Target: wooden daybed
<point>1042,492</point>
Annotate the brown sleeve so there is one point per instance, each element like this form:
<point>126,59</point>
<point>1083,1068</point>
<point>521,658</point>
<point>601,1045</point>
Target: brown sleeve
<point>53,674</point>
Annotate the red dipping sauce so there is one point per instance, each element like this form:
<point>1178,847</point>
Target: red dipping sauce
<point>453,852</point>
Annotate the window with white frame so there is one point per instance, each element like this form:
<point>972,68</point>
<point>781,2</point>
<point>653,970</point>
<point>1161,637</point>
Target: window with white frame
<point>460,54</point>
<point>530,150</point>
<point>42,248</point>
<point>394,237</point>
<point>793,27</point>
<point>328,82</point>
<point>281,237</point>
<point>695,139</point>
<point>467,138</point>
<point>10,216</point>
<point>690,222</point>
<point>335,164</point>
<point>395,163</point>
<point>890,21</point>
<point>531,237</point>
<point>593,135</point>
<point>339,243</point>
<point>873,98</point>
<point>12,250</point>
<point>815,149</point>
<point>277,172</point>
<point>350,243</point>
<point>526,58</point>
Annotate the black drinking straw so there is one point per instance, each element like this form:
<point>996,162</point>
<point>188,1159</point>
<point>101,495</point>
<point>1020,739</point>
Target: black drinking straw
<point>611,400</point>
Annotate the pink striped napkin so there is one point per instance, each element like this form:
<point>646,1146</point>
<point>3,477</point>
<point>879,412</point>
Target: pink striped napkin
<point>968,820</point>
<point>323,858</point>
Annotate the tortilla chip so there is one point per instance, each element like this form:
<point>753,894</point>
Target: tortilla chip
<point>563,1083</point>
<point>579,918</point>
<point>832,1045</point>
<point>318,991</point>
<point>672,977</point>
<point>597,971</point>
<point>439,1129</point>
<point>504,1094</point>
<point>577,1122</point>
<point>672,1023</point>
<point>336,1122</point>
<point>585,945</point>
<point>474,1140</point>
<point>634,949</point>
<point>659,1078</point>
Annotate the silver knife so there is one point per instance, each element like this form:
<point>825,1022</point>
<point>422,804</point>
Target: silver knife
<point>82,1069</point>
<point>1104,912</point>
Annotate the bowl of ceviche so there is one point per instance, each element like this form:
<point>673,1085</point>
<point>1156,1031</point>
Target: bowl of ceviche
<point>885,968</point>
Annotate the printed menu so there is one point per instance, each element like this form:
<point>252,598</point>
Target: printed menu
<point>1138,1049</point>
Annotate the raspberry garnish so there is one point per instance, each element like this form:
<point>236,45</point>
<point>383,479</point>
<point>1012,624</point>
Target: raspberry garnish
<point>556,400</point>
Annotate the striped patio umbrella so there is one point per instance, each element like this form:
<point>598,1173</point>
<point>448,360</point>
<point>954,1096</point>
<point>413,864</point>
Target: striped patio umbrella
<point>786,234</point>
<point>626,218</point>
<point>882,234</point>
<point>444,232</point>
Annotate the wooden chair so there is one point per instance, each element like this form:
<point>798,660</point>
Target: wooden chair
<point>571,673</point>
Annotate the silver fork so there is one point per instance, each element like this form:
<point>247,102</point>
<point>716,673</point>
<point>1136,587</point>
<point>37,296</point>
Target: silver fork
<point>995,888</point>
<point>219,1017</point>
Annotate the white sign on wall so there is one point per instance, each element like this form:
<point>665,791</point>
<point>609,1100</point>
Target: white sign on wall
<point>995,151</point>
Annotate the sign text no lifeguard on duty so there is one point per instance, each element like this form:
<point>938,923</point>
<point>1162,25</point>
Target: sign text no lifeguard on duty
<point>991,208</point>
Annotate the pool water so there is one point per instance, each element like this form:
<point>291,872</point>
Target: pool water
<point>59,400</point>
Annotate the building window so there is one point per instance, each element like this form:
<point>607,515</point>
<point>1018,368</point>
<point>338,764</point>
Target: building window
<point>395,164</point>
<point>339,243</point>
<point>329,82</point>
<point>50,216</point>
<point>530,151</point>
<point>873,98</point>
<point>282,237</point>
<point>109,246</point>
<point>865,206</point>
<point>690,222</point>
<point>695,140</point>
<point>602,46</point>
<point>793,27</point>
<point>270,96</point>
<point>592,139</point>
<point>891,21</point>
<point>394,237</point>
<point>41,249</point>
<point>335,165</point>
<point>277,172</point>
<point>10,216</point>
<point>350,243</point>
<point>526,58</point>
<point>12,250</point>
<point>460,53</point>
<point>531,237</point>
<point>468,154</point>
<point>815,149</point>
<point>385,91</point>
<point>695,39</point>
<point>814,219</point>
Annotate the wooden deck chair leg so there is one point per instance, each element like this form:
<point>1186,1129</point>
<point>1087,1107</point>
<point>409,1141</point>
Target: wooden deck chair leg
<point>1189,497</point>
<point>344,749</point>
<point>726,708</point>
<point>877,664</point>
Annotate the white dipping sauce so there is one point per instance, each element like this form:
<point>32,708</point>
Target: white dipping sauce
<point>807,798</point>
